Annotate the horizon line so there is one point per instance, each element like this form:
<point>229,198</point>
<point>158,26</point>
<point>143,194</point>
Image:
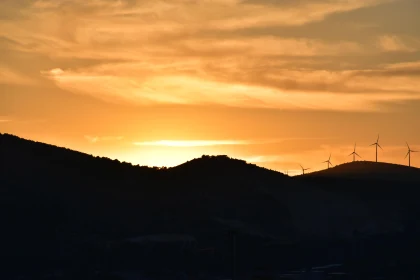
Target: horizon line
<point>209,155</point>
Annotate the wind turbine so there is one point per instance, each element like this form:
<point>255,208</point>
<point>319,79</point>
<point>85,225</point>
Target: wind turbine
<point>376,147</point>
<point>328,162</point>
<point>354,153</point>
<point>303,169</point>
<point>409,154</point>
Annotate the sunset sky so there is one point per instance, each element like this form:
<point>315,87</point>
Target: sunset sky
<point>276,83</point>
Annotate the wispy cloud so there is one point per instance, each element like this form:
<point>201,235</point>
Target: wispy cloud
<point>9,76</point>
<point>206,143</point>
<point>265,13</point>
<point>95,139</point>
<point>192,143</point>
<point>270,46</point>
<point>138,29</point>
<point>284,89</point>
<point>179,52</point>
<point>392,43</point>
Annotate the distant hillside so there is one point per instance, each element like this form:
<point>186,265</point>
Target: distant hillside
<point>368,170</point>
<point>34,157</point>
<point>21,152</point>
<point>225,167</point>
<point>62,208</point>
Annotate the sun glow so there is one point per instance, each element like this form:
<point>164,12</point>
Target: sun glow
<point>163,155</point>
<point>191,143</point>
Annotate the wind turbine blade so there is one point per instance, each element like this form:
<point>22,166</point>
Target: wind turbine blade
<point>380,146</point>
<point>407,154</point>
<point>329,157</point>
<point>357,155</point>
<point>350,154</point>
<point>414,151</point>
<point>407,145</point>
<point>301,166</point>
<point>377,140</point>
<point>372,144</point>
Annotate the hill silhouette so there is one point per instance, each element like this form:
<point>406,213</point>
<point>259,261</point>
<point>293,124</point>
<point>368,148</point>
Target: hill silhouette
<point>226,168</point>
<point>77,214</point>
<point>368,170</point>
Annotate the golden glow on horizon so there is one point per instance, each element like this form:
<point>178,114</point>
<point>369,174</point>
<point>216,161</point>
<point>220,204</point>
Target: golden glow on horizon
<point>196,143</point>
<point>171,153</point>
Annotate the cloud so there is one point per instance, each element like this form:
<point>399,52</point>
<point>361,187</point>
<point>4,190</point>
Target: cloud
<point>102,28</point>
<point>205,143</point>
<point>95,139</point>
<point>271,46</point>
<point>9,76</point>
<point>191,143</point>
<point>404,69</point>
<point>182,52</point>
<point>392,43</point>
<point>286,89</point>
<point>398,77</point>
<point>266,13</point>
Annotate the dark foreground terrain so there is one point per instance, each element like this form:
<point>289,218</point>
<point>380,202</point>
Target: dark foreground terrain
<point>69,215</point>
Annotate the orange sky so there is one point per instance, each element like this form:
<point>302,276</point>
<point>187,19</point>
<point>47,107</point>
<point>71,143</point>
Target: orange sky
<point>277,83</point>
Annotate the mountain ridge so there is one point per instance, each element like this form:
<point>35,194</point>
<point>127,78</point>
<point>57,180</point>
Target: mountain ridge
<point>220,162</point>
<point>59,207</point>
<point>369,170</point>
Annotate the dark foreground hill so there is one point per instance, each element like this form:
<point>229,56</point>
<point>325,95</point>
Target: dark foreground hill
<point>71,215</point>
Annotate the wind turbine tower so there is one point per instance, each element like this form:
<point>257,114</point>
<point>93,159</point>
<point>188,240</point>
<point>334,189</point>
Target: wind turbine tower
<point>409,154</point>
<point>354,153</point>
<point>303,169</point>
<point>376,147</point>
<point>328,162</point>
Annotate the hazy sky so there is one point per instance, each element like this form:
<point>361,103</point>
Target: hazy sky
<point>277,83</point>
